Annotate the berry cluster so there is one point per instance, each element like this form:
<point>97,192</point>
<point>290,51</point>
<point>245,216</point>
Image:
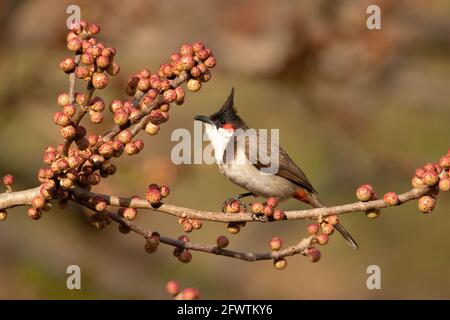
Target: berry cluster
<point>433,175</point>
<point>93,61</point>
<point>84,163</point>
<point>173,288</point>
<point>268,209</point>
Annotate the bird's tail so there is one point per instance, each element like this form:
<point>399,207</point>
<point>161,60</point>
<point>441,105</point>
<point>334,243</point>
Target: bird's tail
<point>314,200</point>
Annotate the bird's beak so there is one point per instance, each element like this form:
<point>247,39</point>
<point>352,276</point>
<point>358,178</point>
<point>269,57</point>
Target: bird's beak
<point>204,119</point>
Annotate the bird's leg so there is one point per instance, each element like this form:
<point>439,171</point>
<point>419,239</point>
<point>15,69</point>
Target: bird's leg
<point>237,197</point>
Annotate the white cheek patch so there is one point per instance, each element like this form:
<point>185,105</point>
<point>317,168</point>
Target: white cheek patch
<point>219,140</point>
<point>226,133</point>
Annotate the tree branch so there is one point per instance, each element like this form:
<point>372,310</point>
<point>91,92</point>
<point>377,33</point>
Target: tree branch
<point>18,198</point>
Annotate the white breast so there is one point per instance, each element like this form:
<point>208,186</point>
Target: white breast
<point>246,175</point>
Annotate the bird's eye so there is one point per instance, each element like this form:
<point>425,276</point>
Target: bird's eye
<point>222,121</point>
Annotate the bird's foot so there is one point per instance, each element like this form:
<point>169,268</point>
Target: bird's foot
<point>260,217</point>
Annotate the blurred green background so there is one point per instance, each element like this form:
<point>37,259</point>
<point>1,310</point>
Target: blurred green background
<point>352,105</point>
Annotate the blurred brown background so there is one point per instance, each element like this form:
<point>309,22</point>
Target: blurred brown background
<point>353,106</point>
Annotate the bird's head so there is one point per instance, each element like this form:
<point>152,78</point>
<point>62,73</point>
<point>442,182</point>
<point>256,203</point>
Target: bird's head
<point>226,120</point>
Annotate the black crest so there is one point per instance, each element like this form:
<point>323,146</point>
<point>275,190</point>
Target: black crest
<point>228,114</point>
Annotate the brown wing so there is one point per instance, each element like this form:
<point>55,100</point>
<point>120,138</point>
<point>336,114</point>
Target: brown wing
<point>287,168</point>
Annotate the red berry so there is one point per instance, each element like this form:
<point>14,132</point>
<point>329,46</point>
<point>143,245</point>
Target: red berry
<point>172,288</point>
<point>93,29</point>
<point>169,96</point>
<point>327,229</point>
<point>426,204</point>
<point>34,213</point>
<point>67,65</point>
<point>268,210</point>
<point>210,62</point>
<point>121,117</point>
<point>186,49</point>
<point>279,214</point>
<point>322,239</point>
<point>38,202</point>
<point>130,213</point>
<point>272,201</point>
<point>313,228</point>
<point>391,198</point>
<point>332,219</point>
<point>275,243</point>
<point>190,294</point>
<point>185,257</point>
<point>187,61</point>
<point>430,178</point>
<point>74,44</point>
<point>196,224</point>
<point>313,254</point>
<point>165,191</point>
<point>257,208</point>
<point>99,80</point>
<point>8,180</point>
<point>153,196</point>
<point>364,192</point>
<point>444,162</point>
<point>113,69</point>
<point>63,99</point>
<point>139,144</point>
<point>197,46</point>
<point>102,62</point>
<point>222,241</point>
<point>61,119</point>
<point>68,132</point>
<point>187,226</point>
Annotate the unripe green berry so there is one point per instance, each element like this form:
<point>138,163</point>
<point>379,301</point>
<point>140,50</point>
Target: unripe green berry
<point>280,264</point>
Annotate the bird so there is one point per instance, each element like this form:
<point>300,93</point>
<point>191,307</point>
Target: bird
<point>289,181</point>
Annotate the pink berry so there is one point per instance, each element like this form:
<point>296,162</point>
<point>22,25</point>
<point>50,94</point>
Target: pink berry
<point>322,239</point>
<point>172,288</point>
<point>391,198</point>
<point>222,241</point>
<point>364,192</point>
<point>153,196</point>
<point>426,204</point>
<point>275,243</point>
<point>272,201</point>
<point>8,180</point>
<point>313,254</point>
<point>313,228</point>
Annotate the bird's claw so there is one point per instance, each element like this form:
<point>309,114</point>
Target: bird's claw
<point>260,217</point>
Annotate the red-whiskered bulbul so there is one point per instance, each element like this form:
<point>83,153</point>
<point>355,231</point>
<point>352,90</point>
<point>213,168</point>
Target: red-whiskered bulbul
<point>288,182</point>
